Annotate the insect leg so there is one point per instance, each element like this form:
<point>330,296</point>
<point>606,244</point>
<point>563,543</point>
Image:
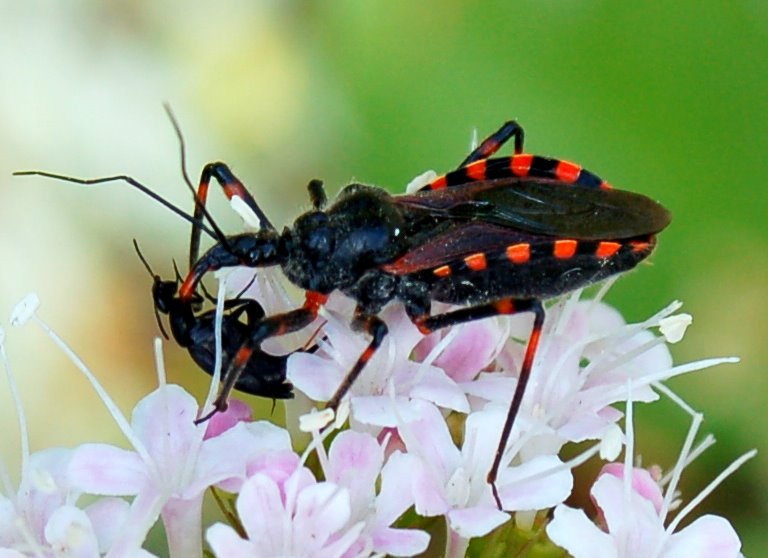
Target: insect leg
<point>428,324</point>
<point>377,329</point>
<point>232,187</point>
<point>492,143</point>
<point>272,326</point>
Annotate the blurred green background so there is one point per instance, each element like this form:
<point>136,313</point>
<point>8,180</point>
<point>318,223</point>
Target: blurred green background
<point>668,99</point>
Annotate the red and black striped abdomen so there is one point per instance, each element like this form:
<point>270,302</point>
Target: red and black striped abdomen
<point>538,269</point>
<point>519,166</point>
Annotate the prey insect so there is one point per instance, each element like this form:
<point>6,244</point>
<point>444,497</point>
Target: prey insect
<point>496,236</point>
<point>264,374</point>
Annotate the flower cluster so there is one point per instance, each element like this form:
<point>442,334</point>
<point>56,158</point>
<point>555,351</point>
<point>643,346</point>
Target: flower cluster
<point>423,429</point>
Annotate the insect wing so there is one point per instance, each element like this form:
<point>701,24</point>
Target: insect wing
<point>547,207</point>
<point>456,242</point>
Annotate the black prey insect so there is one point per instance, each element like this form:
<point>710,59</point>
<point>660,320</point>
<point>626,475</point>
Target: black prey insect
<point>263,375</point>
<point>496,236</point>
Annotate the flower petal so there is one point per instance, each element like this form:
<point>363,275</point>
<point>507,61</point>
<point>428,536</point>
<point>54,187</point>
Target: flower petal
<point>710,536</point>
<point>475,521</point>
<point>572,530</point>
<point>400,542</point>
<point>226,543</point>
<point>107,470</point>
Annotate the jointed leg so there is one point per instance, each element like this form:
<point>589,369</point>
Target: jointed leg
<point>492,143</point>
<point>427,324</point>
<point>377,329</point>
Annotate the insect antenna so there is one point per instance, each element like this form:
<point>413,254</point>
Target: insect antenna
<point>220,236</point>
<point>157,280</point>
<point>129,180</point>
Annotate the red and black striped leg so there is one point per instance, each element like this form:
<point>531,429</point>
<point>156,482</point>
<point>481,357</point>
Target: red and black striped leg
<point>272,326</point>
<point>232,187</point>
<point>492,143</point>
<point>427,324</point>
<point>377,329</point>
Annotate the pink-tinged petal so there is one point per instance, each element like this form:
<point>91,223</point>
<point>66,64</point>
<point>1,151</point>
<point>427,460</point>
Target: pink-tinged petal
<point>70,531</point>
<point>342,547</point>
<point>107,516</point>
<point>164,421</point>
<point>473,348</point>
<point>436,387</point>
<point>584,427</point>
<point>7,518</point>
<point>11,553</point>
<point>427,489</point>
<point>603,319</point>
<point>573,531</point>
<point>321,510</point>
<point>314,376</point>
<point>236,412</point>
<point>400,542</point>
<point>381,410</point>
<point>635,518</point>
<point>710,536</point>
<point>222,458</point>
<point>180,518</point>
<point>430,438</point>
<point>642,483</point>
<point>395,495</point>
<point>260,508</point>
<point>519,491</point>
<point>355,460</point>
<point>493,386</point>
<point>476,521</point>
<point>107,470</point>
<point>226,543</point>
<point>402,332</point>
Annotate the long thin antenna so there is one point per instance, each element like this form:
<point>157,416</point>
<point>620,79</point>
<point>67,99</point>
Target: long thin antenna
<point>157,282</point>
<point>220,236</point>
<point>133,182</point>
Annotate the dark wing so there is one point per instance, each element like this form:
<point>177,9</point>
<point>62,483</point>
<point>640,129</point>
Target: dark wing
<point>456,242</point>
<point>545,206</point>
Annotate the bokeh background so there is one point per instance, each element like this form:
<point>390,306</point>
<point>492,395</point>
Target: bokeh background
<point>669,100</point>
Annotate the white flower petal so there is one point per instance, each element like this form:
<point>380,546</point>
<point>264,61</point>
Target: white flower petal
<point>70,531</point>
<point>519,491</point>
<point>709,536</point>
<point>400,542</point>
<point>355,460</point>
<point>313,375</point>
<point>226,543</point>
<point>107,470</point>
<point>476,521</point>
<point>572,530</point>
<point>261,511</point>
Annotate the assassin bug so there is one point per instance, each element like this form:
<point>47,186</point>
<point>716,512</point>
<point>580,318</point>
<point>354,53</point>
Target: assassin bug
<point>496,235</point>
<point>264,374</point>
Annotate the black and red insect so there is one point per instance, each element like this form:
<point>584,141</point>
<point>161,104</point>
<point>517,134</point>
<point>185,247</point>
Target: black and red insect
<point>496,235</point>
<point>264,374</point>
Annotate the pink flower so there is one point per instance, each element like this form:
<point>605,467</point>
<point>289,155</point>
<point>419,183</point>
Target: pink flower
<point>171,468</point>
<point>389,381</point>
<point>342,517</point>
<point>42,518</point>
<point>634,528</point>
<point>452,482</point>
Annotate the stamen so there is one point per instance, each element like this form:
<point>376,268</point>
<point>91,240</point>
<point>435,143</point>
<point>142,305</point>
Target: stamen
<point>732,468</point>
